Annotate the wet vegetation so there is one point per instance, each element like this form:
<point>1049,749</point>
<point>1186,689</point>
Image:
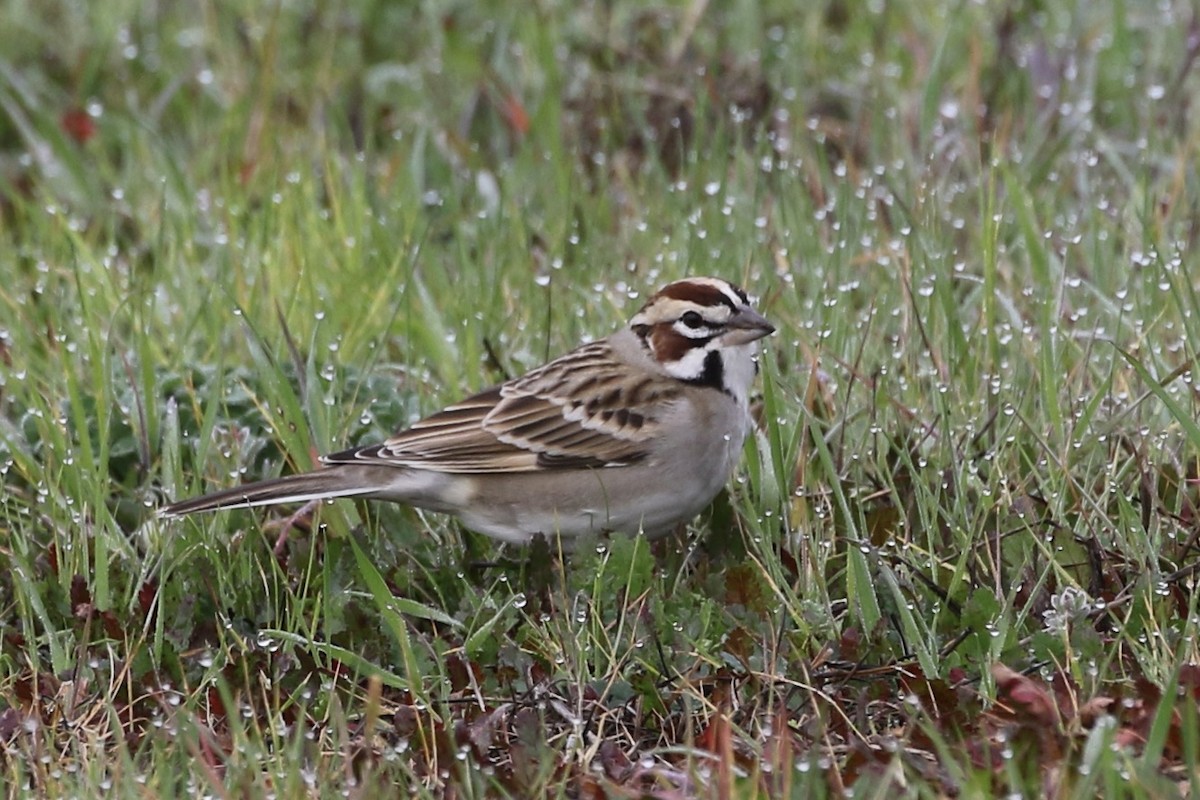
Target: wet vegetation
<point>960,558</point>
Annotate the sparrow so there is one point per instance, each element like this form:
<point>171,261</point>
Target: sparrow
<point>633,433</point>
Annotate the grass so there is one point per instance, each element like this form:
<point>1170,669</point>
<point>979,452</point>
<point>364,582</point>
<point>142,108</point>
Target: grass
<point>959,558</point>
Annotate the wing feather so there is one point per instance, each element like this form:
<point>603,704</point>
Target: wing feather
<point>583,410</point>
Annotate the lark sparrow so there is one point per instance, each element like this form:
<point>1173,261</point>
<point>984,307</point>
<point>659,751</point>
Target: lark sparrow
<point>632,433</point>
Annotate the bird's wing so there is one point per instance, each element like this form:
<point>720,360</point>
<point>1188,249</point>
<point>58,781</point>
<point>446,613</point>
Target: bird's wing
<point>585,409</point>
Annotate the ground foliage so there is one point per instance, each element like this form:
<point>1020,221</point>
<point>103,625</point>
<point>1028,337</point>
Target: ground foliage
<point>960,559</point>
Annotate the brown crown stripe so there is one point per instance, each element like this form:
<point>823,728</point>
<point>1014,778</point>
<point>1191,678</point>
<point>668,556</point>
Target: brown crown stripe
<point>702,294</point>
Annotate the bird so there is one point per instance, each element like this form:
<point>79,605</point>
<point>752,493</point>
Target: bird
<point>632,434</point>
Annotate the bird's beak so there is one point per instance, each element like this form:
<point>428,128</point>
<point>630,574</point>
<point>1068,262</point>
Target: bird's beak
<point>746,326</point>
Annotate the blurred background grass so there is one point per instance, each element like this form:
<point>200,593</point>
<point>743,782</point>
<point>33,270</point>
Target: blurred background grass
<point>235,235</point>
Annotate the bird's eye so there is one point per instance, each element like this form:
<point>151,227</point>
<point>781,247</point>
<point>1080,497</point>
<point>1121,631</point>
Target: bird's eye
<point>692,319</point>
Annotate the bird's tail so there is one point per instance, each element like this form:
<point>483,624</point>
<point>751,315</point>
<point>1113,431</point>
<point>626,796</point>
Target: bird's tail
<point>318,485</point>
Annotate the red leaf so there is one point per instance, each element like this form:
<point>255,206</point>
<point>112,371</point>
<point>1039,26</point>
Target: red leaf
<point>1127,737</point>
<point>146,596</point>
<point>1025,696</point>
<point>78,124</point>
<point>1092,710</point>
<point>405,721</point>
<point>849,644</point>
<point>1189,680</point>
<point>80,596</point>
<point>617,765</point>
<point>216,706</point>
<point>458,670</point>
<point>515,114</point>
<point>11,723</point>
<point>112,626</point>
<point>22,689</point>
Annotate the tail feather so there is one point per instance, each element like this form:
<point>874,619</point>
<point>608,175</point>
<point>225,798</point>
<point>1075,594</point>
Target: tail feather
<point>319,485</point>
